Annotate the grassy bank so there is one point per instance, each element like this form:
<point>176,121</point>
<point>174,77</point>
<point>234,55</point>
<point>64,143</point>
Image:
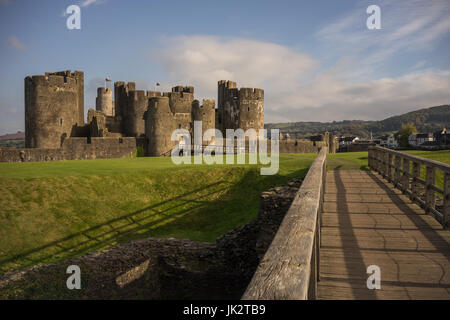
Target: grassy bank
<point>50,211</point>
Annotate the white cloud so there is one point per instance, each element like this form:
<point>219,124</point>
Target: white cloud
<point>295,88</point>
<point>203,60</point>
<point>86,3</point>
<point>407,25</point>
<point>14,43</point>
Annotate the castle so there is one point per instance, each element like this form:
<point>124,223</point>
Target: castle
<point>128,119</point>
<point>54,111</point>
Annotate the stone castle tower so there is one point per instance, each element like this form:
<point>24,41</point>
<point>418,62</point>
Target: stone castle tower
<point>104,101</point>
<point>54,107</point>
<point>239,108</point>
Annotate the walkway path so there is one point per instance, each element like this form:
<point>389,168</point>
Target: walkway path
<point>365,222</point>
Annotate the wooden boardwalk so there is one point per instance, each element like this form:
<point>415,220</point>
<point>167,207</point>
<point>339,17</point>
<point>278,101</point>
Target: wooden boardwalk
<point>365,221</point>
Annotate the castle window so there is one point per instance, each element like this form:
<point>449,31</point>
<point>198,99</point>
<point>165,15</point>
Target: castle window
<point>248,109</point>
<point>120,140</point>
<point>179,126</point>
<point>60,122</point>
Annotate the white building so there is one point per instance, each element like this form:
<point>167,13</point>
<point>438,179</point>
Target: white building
<point>416,139</point>
<point>345,141</point>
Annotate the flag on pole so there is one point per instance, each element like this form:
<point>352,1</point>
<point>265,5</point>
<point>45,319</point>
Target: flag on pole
<point>158,84</point>
<point>107,79</point>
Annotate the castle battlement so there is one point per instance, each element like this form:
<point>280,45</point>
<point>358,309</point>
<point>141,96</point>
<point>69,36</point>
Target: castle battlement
<point>227,84</point>
<point>251,93</point>
<point>103,90</point>
<point>156,102</point>
<point>52,80</point>
<point>181,95</point>
<point>187,89</point>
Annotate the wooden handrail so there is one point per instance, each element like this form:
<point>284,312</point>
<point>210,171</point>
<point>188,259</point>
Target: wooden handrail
<point>395,167</point>
<point>290,268</point>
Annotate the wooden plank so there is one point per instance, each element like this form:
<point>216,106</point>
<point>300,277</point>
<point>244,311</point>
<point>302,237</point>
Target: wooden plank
<point>384,228</point>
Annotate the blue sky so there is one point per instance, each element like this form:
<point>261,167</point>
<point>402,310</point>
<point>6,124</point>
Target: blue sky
<point>316,60</point>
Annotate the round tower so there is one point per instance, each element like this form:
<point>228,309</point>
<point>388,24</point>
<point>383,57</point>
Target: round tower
<point>159,125</point>
<point>51,110</point>
<point>251,109</point>
<point>104,101</point>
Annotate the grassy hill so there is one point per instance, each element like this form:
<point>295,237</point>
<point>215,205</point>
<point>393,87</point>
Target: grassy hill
<point>425,120</point>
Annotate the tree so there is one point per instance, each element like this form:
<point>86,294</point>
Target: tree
<point>404,133</point>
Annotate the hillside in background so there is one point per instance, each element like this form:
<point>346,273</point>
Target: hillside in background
<point>425,120</point>
<point>12,136</point>
<point>16,140</point>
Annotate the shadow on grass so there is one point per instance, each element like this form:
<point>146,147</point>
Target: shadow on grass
<point>191,211</point>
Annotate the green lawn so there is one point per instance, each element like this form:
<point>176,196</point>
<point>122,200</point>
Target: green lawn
<point>51,211</point>
<point>347,161</point>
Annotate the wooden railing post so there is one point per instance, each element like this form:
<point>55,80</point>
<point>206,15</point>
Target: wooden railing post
<point>415,183</point>
<point>389,167</point>
<point>397,168</point>
<point>429,192</point>
<point>383,163</point>
<point>375,160</point>
<point>379,162</point>
<point>446,196</point>
<point>405,177</point>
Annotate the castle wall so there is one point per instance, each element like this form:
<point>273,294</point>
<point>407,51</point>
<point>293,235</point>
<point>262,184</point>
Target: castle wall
<point>299,146</point>
<point>51,110</point>
<point>159,125</point>
<point>74,149</point>
<point>104,101</point>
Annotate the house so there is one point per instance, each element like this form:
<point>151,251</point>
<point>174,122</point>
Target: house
<point>388,141</point>
<point>416,139</point>
<point>345,141</point>
<point>442,138</point>
<point>392,141</point>
<point>383,141</point>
